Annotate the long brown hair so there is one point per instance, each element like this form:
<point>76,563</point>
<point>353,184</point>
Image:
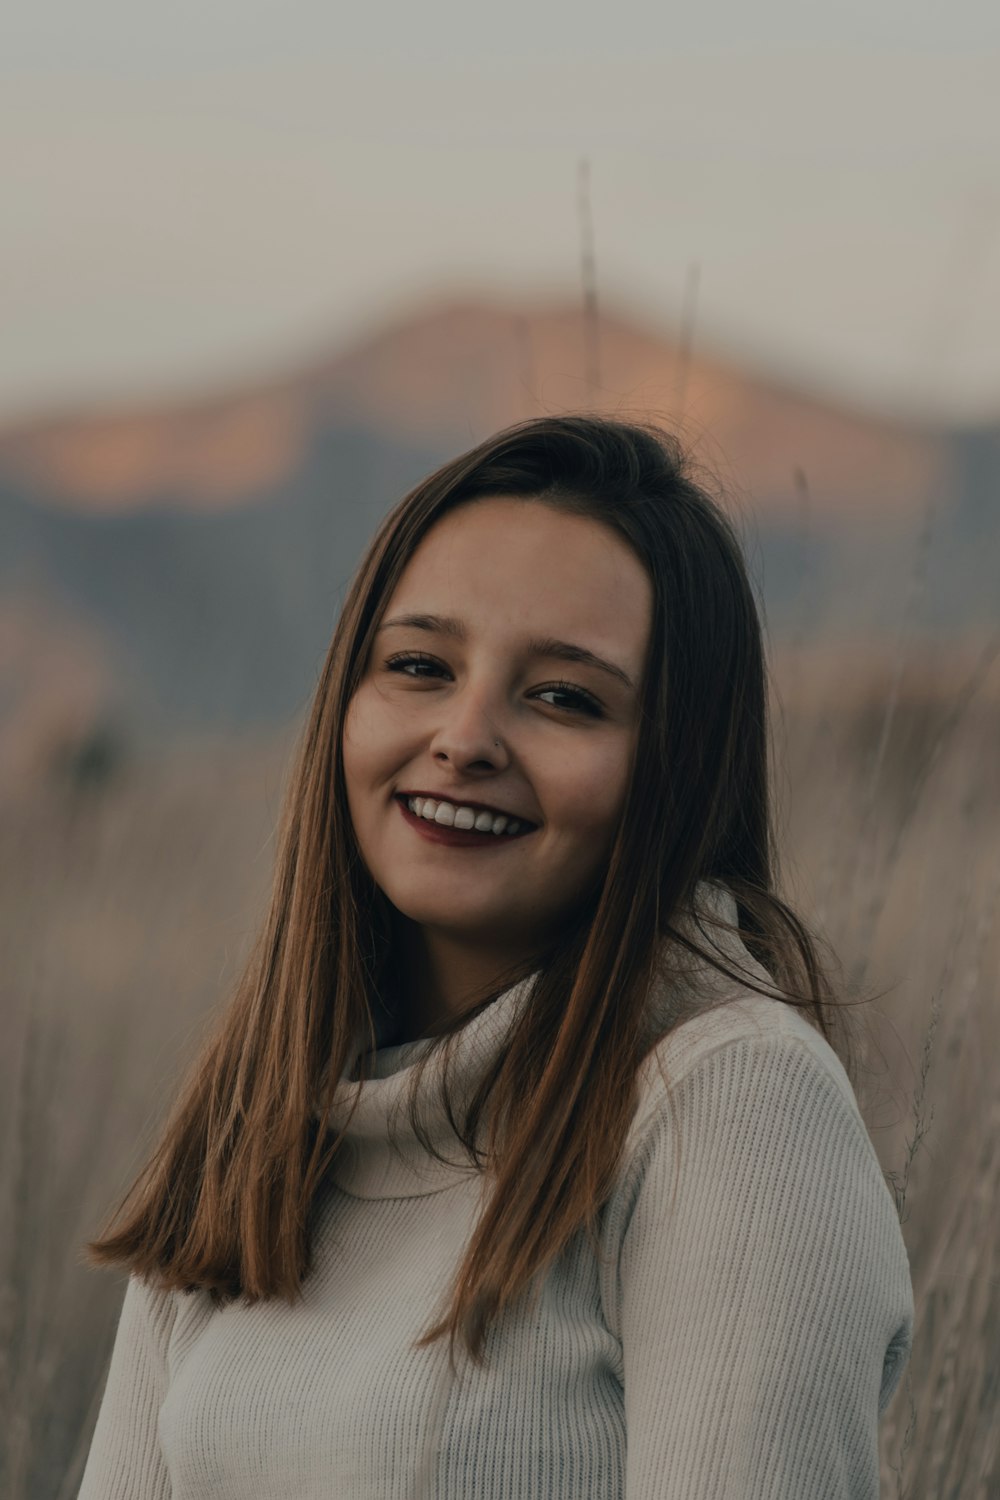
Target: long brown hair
<point>225,1201</point>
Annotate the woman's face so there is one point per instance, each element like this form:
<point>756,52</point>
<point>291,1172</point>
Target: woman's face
<point>478,703</point>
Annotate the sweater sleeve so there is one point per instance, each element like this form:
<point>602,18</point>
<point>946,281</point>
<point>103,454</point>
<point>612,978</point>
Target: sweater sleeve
<point>766,1303</point>
<point>125,1461</point>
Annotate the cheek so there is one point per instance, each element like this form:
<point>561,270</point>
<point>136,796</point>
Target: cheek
<point>349,745</point>
<point>359,750</point>
<point>375,727</point>
<point>590,805</point>
<point>364,733</point>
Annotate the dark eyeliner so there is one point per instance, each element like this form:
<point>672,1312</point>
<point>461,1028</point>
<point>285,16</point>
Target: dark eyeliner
<point>406,657</point>
<point>584,703</point>
<point>588,705</point>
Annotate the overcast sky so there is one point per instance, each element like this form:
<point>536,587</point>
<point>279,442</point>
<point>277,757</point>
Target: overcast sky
<point>198,192</point>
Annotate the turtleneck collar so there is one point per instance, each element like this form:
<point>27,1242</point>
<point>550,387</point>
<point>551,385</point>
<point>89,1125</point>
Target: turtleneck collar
<point>381,1157</point>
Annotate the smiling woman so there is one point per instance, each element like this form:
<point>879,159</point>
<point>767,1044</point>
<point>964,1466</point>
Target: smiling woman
<point>530,1056</point>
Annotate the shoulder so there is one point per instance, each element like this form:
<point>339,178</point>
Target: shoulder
<point>749,1167</point>
<point>746,1114</point>
<point>752,1048</point>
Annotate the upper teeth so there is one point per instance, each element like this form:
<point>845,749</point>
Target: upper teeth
<point>456,816</point>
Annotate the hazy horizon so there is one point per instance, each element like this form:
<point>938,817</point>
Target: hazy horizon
<point>194,204</point>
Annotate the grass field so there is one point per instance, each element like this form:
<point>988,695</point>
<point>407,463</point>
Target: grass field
<point>128,901</point>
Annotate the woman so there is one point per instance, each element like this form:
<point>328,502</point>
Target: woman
<point>523,1162</point>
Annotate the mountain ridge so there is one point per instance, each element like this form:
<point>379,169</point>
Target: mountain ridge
<point>448,375</point>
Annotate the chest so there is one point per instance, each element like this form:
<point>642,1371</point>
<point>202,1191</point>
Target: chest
<point>329,1398</point>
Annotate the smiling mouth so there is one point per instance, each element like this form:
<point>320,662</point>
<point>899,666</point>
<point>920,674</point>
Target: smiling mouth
<point>459,838</point>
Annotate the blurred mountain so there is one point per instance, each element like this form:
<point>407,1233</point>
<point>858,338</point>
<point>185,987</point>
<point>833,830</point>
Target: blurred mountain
<point>447,377</point>
<point>220,618</point>
<point>202,548</point>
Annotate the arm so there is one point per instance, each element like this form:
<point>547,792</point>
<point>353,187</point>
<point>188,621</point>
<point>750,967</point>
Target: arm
<point>758,1303</point>
<point>125,1462</point>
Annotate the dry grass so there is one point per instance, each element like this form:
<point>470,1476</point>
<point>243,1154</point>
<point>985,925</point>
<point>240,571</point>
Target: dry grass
<point>126,909</point>
<point>895,840</point>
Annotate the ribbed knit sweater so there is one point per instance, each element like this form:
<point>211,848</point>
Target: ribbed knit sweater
<point>739,1335</point>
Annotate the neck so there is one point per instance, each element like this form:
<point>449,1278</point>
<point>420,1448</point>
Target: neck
<point>438,976</point>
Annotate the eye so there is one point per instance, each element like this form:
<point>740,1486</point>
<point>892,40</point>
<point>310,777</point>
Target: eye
<point>411,658</point>
<point>581,702</point>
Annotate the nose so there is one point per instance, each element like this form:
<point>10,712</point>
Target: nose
<point>466,736</point>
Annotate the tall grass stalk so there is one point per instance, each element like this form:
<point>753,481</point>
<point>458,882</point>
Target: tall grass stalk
<point>588,274</point>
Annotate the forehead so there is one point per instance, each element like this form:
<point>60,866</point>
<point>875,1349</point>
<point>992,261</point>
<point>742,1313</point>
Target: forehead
<point>508,564</point>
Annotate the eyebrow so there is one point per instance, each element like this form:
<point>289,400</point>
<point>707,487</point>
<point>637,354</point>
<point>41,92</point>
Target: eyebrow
<point>542,646</point>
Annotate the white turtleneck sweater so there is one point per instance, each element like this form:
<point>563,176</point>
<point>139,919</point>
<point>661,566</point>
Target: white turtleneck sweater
<point>739,1335</point>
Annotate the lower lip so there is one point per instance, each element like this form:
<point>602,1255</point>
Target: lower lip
<point>458,838</point>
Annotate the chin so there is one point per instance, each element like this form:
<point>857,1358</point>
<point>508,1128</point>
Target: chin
<point>446,919</point>
<point>486,923</point>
